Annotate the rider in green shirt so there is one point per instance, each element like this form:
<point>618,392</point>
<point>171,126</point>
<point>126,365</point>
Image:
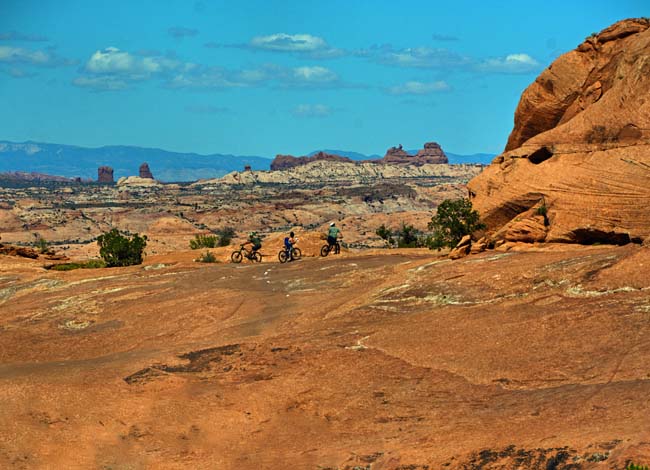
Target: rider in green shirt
<point>332,234</point>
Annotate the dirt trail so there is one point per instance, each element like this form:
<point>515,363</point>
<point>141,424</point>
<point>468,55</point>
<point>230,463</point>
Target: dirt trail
<point>400,360</point>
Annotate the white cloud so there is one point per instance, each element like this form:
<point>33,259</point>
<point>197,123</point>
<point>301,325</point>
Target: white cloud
<point>101,83</point>
<point>18,54</point>
<point>513,63</point>
<point>314,74</point>
<point>419,88</point>
<point>114,61</point>
<point>311,110</point>
<point>417,57</point>
<point>289,42</point>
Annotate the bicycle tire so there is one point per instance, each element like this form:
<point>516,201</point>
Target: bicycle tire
<point>282,256</point>
<point>257,256</point>
<point>296,253</point>
<point>337,248</point>
<point>236,257</point>
<point>325,250</point>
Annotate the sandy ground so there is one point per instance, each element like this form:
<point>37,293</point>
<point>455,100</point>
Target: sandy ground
<point>385,359</point>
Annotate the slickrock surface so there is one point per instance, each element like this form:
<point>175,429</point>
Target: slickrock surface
<point>529,360</point>
<point>581,144</point>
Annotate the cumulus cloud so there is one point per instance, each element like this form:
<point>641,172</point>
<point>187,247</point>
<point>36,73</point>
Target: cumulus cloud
<point>510,64</point>
<point>314,75</point>
<point>304,45</point>
<point>311,110</point>
<point>179,32</point>
<point>18,36</point>
<point>114,61</point>
<point>419,88</point>
<point>101,83</point>
<point>417,57</point>
<point>43,58</point>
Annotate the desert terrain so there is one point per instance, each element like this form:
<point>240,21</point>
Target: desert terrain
<point>528,351</point>
<point>397,359</point>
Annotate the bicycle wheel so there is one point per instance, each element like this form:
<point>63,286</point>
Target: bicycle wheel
<point>337,248</point>
<point>325,250</point>
<point>257,256</point>
<point>236,257</point>
<point>296,253</point>
<point>282,256</point>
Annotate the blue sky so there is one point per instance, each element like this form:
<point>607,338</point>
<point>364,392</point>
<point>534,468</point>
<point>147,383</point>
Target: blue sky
<point>267,77</point>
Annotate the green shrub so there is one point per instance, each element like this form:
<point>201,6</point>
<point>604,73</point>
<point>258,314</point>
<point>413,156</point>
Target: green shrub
<point>637,467</point>
<point>204,241</point>
<point>226,234</point>
<point>385,234</point>
<point>408,237</point>
<point>453,220</point>
<point>207,257</point>
<point>542,210</point>
<point>91,264</point>
<point>42,245</point>
<point>119,250</point>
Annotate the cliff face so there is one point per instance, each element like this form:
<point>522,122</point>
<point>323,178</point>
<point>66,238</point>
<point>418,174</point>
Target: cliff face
<point>283,162</point>
<point>579,153</point>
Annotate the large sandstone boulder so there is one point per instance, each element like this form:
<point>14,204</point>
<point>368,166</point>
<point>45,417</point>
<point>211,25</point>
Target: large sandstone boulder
<point>580,146</point>
<point>431,154</point>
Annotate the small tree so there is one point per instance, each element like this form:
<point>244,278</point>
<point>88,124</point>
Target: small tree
<point>453,220</point>
<point>119,250</point>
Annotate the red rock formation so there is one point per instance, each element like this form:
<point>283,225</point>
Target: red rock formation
<point>431,154</point>
<point>145,172</point>
<point>580,146</point>
<point>282,162</point>
<point>105,174</point>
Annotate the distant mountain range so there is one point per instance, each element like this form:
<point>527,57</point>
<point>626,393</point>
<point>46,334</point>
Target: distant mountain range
<point>73,161</point>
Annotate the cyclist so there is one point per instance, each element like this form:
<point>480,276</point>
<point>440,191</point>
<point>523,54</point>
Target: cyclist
<point>332,234</point>
<point>253,244</point>
<point>288,245</point>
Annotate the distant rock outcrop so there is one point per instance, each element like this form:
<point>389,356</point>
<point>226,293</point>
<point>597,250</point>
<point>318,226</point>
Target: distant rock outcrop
<point>579,153</point>
<point>105,174</point>
<point>431,154</point>
<point>145,172</point>
<point>283,162</point>
<point>137,181</point>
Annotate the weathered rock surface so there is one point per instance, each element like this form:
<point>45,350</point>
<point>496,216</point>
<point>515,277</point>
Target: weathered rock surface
<point>105,174</point>
<point>137,181</point>
<point>320,171</point>
<point>283,162</point>
<point>389,360</point>
<point>144,171</point>
<point>580,144</point>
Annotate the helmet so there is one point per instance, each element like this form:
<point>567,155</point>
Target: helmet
<point>332,224</point>
<point>291,235</point>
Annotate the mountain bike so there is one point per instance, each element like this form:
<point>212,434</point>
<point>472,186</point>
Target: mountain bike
<point>283,256</point>
<point>239,255</point>
<point>327,248</point>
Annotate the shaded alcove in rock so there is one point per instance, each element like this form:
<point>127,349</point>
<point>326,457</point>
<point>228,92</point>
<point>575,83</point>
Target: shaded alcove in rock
<point>540,155</point>
<point>590,236</point>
